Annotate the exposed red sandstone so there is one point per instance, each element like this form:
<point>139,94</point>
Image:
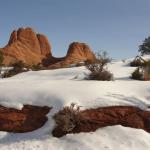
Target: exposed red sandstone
<point>27,46</point>
<point>28,119</point>
<point>31,48</point>
<point>77,52</point>
<point>44,45</point>
<point>33,117</point>
<point>81,51</point>
<point>92,119</point>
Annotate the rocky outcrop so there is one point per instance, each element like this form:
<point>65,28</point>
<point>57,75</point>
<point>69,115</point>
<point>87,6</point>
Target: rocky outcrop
<point>77,52</point>
<point>31,48</point>
<point>27,46</point>
<point>92,119</point>
<point>31,118</point>
<point>28,119</point>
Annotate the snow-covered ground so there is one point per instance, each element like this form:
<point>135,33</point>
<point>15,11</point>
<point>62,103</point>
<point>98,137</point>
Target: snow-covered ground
<point>61,87</point>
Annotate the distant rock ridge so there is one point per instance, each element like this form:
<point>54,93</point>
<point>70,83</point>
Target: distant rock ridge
<point>32,48</point>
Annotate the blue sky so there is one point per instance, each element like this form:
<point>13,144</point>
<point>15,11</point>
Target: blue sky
<point>117,26</point>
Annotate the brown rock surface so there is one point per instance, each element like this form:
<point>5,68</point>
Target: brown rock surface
<point>31,48</point>
<point>28,119</point>
<point>77,52</point>
<point>92,119</point>
<point>27,46</point>
<point>44,45</point>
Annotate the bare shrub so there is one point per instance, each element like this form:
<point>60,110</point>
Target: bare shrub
<point>37,67</point>
<point>137,75</point>
<point>97,68</point>
<point>18,67</point>
<point>137,62</point>
<point>142,73</point>
<point>68,117</point>
<point>103,75</point>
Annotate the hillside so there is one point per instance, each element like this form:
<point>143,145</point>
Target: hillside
<point>59,88</point>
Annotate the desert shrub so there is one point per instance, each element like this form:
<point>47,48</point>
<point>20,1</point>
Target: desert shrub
<point>18,67</point>
<point>137,75</point>
<point>103,75</point>
<point>137,62</point>
<point>142,73</point>
<point>36,67</point>
<point>144,49</point>
<point>97,68</point>
<point>68,117</point>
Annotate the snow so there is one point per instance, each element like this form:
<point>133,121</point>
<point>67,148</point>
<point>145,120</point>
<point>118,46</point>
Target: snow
<point>108,138</point>
<point>61,87</point>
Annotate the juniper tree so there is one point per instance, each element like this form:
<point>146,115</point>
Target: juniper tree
<point>145,47</point>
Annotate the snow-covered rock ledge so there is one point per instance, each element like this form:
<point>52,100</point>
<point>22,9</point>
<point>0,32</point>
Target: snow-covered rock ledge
<point>90,120</point>
<point>30,118</point>
<point>27,119</point>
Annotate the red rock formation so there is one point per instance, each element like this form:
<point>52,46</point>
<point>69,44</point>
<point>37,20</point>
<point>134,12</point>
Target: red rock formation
<point>44,45</point>
<point>77,52</point>
<point>31,48</point>
<point>13,37</point>
<point>28,119</point>
<point>27,46</point>
<point>92,119</point>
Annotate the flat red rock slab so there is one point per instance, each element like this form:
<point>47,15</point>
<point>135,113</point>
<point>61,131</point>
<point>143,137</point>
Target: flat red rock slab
<point>93,119</point>
<point>28,119</point>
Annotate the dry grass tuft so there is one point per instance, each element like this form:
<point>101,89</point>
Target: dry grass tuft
<point>68,118</point>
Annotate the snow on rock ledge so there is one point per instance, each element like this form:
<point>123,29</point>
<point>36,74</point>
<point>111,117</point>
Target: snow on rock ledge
<point>91,119</point>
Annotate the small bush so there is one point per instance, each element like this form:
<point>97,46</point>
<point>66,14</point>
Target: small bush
<point>18,67</point>
<point>137,75</point>
<point>103,76</point>
<point>137,62</point>
<point>144,49</point>
<point>142,73</point>
<point>97,68</point>
<point>36,67</point>
<point>68,117</point>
